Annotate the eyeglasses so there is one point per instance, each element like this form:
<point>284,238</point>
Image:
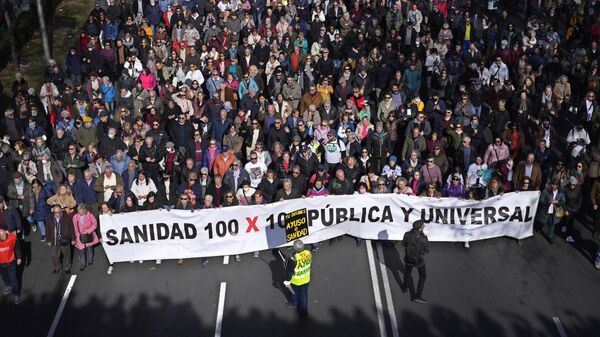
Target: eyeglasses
<point>455,179</point>
<point>277,122</point>
<point>185,199</point>
<point>430,161</point>
<point>229,196</point>
<point>381,184</point>
<point>155,124</point>
<point>203,174</point>
<point>254,123</point>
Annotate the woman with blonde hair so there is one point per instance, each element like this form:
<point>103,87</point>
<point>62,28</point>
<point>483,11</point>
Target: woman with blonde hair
<point>64,198</point>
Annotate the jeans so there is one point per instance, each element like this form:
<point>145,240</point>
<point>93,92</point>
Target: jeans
<point>86,256</point>
<point>550,223</point>
<point>408,279</point>
<point>299,298</point>
<point>9,276</point>
<point>42,227</point>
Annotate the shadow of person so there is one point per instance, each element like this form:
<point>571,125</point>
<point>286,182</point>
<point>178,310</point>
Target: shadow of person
<point>277,267</point>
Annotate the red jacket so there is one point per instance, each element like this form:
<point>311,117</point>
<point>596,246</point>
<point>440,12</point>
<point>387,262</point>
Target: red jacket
<point>8,253</point>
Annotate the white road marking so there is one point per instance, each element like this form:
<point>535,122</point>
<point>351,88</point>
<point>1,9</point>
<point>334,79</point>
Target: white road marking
<point>559,326</point>
<point>388,292</point>
<point>220,308</point>
<point>376,292</point>
<point>62,305</point>
<point>226,259</point>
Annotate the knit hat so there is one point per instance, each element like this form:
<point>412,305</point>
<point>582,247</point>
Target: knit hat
<point>572,180</point>
<point>87,119</point>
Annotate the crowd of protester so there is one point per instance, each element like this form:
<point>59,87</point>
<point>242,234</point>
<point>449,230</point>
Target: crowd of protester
<point>203,104</point>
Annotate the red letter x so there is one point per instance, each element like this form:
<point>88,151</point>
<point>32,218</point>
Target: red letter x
<point>252,224</point>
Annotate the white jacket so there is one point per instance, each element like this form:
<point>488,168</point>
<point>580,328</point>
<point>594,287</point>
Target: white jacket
<point>141,189</point>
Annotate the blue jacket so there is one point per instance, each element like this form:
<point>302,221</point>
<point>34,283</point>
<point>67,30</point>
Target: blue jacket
<point>206,158</point>
<point>74,64</point>
<point>110,31</point>
<point>119,166</point>
<point>42,209</point>
<point>108,93</point>
<point>125,177</point>
<point>30,133</point>
<point>412,79</point>
<point>244,88</point>
<point>219,128</point>
<point>153,14</point>
<point>85,194</point>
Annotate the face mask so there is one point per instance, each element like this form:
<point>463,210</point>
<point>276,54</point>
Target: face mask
<point>111,135</point>
<point>32,126</point>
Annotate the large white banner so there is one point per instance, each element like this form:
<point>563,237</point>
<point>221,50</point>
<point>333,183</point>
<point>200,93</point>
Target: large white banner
<point>162,234</point>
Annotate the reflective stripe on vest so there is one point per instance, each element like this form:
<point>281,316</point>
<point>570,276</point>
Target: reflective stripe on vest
<point>302,270</point>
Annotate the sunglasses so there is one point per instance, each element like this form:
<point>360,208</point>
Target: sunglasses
<point>229,196</point>
<point>253,158</point>
<point>184,199</point>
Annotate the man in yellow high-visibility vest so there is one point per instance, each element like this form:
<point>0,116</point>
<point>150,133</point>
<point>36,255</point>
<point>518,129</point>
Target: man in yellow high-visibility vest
<point>298,277</point>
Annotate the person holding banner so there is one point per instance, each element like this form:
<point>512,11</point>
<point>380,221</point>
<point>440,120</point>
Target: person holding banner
<point>298,277</point>
<point>416,246</point>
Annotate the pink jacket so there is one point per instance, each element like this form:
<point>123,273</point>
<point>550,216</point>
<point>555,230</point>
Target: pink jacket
<point>148,81</point>
<point>85,225</point>
<point>495,153</point>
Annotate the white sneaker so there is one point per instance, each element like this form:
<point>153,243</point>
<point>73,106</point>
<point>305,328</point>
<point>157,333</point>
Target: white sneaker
<point>256,254</point>
<point>110,269</point>
<point>467,244</point>
<point>141,261</point>
<point>158,261</point>
<point>238,258</point>
<point>570,239</point>
<point>563,229</point>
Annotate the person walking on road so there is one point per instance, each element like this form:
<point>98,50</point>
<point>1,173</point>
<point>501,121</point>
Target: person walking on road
<point>416,246</point>
<point>60,235</point>
<point>10,258</point>
<point>298,277</point>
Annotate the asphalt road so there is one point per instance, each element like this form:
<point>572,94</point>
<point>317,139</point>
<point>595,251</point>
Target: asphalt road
<point>495,288</point>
